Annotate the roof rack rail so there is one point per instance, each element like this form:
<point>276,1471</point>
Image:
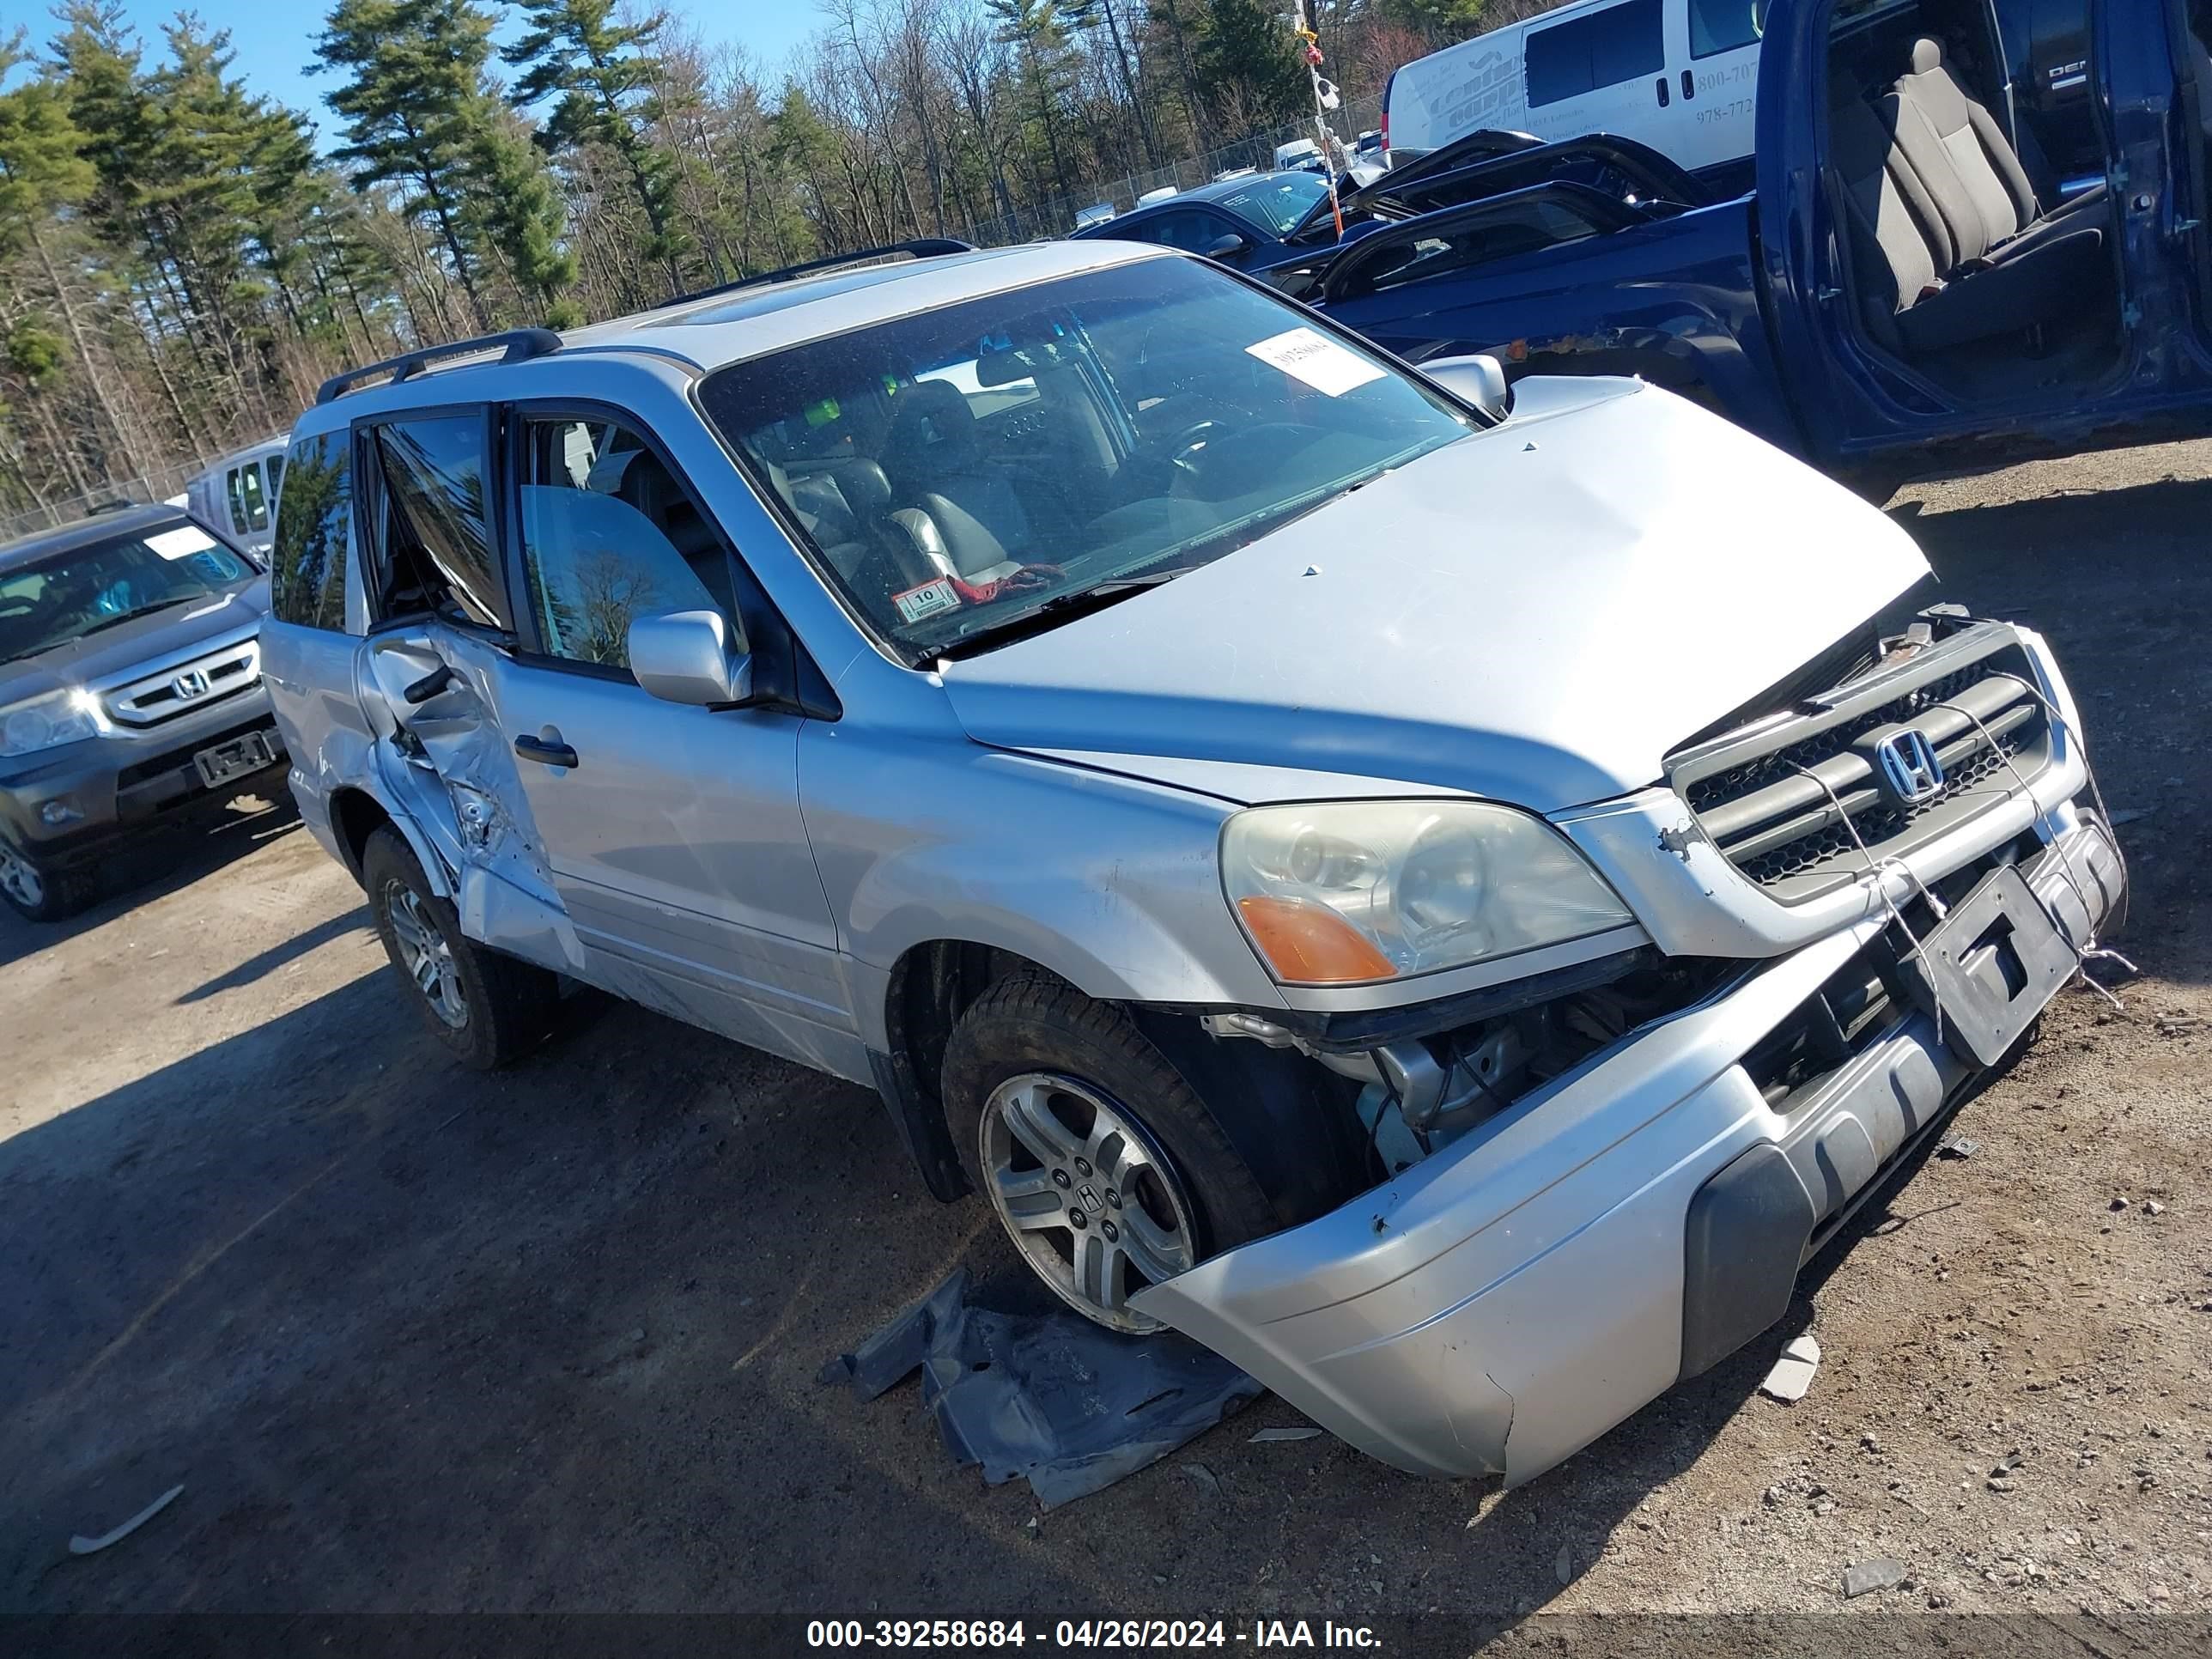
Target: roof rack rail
<point>920,248</point>
<point>114,504</point>
<point>521,343</point>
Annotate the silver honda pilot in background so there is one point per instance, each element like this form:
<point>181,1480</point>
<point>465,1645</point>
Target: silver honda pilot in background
<point>1449,907</point>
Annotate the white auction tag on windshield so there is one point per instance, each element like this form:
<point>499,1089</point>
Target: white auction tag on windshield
<point>180,544</point>
<point>1307,355</point>
<point>925,600</point>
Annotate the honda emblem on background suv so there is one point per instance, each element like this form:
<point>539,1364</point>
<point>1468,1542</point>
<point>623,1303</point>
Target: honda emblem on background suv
<point>1909,766</point>
<point>191,683</point>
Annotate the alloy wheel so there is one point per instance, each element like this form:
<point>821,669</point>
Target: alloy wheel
<point>19,878</point>
<point>1085,1194</point>
<point>424,956</point>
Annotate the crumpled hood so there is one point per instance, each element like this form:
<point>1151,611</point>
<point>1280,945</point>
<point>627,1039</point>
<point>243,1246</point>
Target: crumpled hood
<point>1538,615</point>
<point>143,640</point>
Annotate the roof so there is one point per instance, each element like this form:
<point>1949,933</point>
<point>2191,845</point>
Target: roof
<point>751,322</point>
<point>715,330</point>
<point>101,527</point>
<point>230,457</point>
<point>1212,191</point>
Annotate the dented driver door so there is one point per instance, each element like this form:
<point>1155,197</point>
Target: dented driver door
<point>676,846</point>
<point>651,849</point>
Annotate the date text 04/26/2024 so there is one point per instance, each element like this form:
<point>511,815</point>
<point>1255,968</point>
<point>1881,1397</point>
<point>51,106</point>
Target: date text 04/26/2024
<point>1260,1635</point>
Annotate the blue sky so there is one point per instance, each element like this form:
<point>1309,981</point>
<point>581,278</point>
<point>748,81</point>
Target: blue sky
<point>274,42</point>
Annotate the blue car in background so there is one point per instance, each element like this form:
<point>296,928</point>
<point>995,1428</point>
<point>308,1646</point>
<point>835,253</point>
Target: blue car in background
<point>1248,222</point>
<point>1910,289</point>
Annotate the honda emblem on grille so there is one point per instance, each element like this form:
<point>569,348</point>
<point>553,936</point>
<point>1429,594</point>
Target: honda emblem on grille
<point>1909,766</point>
<point>193,683</point>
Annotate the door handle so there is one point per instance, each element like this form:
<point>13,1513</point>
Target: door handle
<point>545,751</point>
<point>1662,92</point>
<point>429,685</point>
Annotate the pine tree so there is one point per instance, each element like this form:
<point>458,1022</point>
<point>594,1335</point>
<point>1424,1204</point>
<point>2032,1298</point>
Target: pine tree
<point>412,109</point>
<point>42,169</point>
<point>519,213</point>
<point>1247,65</point>
<point>602,75</point>
<point>1036,30</point>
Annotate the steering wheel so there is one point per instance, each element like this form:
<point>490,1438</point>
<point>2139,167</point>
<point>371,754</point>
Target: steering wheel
<point>1188,442</point>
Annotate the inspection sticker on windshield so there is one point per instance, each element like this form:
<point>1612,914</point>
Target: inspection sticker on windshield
<point>1312,357</point>
<point>927,600</point>
<point>180,544</point>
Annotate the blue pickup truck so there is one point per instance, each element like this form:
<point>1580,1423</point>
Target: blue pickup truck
<point>1907,291</point>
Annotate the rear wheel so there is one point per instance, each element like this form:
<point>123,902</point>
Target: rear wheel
<point>37,892</point>
<point>1101,1162</point>
<point>489,1009</point>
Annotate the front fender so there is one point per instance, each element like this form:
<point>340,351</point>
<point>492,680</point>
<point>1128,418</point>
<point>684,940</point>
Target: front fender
<point>1109,882</point>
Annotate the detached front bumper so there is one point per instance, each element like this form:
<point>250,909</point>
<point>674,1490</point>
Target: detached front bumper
<point>1502,1303</point>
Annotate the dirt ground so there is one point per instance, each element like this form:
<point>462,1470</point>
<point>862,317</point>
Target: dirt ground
<point>416,1340</point>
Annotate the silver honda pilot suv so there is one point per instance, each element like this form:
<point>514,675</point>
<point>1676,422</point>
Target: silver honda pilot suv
<point>1447,895</point>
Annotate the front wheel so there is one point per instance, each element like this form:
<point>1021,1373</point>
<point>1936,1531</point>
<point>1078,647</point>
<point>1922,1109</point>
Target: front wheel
<point>487,1008</point>
<point>1102,1163</point>
<point>36,891</point>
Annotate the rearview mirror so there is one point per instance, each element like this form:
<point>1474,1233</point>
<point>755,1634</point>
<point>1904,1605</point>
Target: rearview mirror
<point>1480,380</point>
<point>1227,246</point>
<point>691,657</point>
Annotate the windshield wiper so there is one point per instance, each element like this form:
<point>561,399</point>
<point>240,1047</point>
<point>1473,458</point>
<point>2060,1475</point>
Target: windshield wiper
<point>1056,609</point>
<point>106,622</point>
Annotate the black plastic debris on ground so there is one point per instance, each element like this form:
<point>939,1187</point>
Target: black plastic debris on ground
<point>1049,1397</point>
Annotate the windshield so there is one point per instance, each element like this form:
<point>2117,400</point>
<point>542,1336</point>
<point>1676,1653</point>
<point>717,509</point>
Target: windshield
<point>1280,203</point>
<point>50,601</point>
<point>987,465</point>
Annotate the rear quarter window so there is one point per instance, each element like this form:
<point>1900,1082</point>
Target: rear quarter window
<point>1601,49</point>
<point>314,524</point>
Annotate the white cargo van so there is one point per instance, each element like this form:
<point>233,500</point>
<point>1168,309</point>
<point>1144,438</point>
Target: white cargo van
<point>239,494</point>
<point>1681,76</point>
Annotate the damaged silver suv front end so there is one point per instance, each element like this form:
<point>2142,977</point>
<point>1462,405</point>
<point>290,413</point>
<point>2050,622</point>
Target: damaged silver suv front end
<point>1833,964</point>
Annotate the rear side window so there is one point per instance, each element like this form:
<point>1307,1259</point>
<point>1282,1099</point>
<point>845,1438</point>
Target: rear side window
<point>1724,25</point>
<point>307,565</point>
<point>237,502</point>
<point>1621,43</point>
<point>257,503</point>
<point>1525,227</point>
<point>433,546</point>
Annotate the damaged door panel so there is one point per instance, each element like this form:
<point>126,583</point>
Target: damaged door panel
<point>674,848</point>
<point>444,762</point>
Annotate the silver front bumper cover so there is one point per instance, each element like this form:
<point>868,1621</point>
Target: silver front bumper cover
<point>1501,1304</point>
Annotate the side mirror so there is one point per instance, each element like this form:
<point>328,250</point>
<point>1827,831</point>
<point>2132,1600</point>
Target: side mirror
<point>1480,380</point>
<point>1227,246</point>
<point>691,657</point>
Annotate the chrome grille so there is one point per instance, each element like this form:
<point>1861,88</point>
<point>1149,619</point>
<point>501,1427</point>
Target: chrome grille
<point>1771,798</point>
<point>185,686</point>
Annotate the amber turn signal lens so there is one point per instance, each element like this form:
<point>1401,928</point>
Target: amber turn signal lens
<point>1309,944</point>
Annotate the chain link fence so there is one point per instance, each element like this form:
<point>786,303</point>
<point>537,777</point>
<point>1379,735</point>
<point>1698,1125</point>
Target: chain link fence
<point>1257,149</point>
<point>158,485</point>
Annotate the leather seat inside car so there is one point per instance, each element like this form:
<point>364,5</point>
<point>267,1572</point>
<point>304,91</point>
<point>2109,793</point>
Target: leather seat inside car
<point>937,465</point>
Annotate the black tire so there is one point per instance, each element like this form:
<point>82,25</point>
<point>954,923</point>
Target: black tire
<point>507,1004</point>
<point>1031,1024</point>
<point>59,894</point>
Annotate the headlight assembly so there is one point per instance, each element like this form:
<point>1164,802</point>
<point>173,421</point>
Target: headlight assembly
<point>1350,892</point>
<point>47,722</point>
